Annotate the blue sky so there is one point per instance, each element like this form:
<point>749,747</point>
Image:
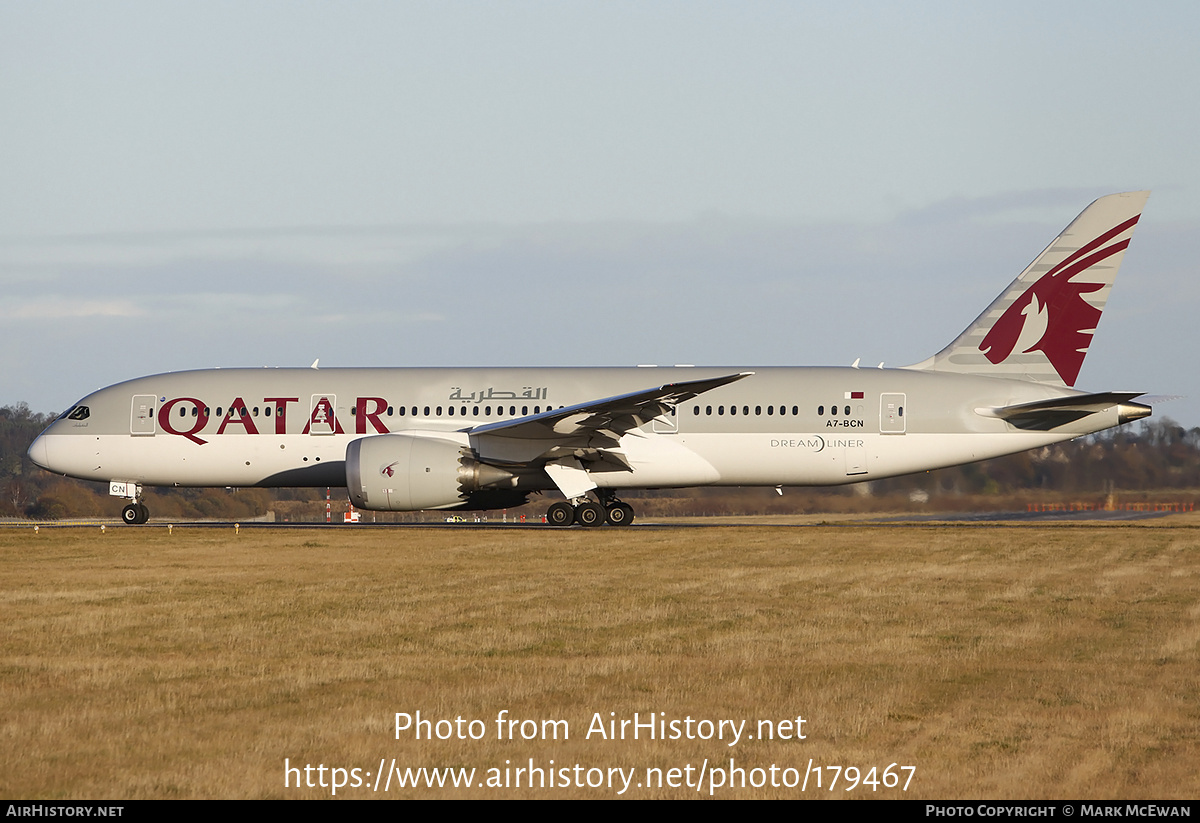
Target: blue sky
<point>242,184</point>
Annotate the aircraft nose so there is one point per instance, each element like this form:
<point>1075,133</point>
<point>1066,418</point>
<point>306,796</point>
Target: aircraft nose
<point>39,451</point>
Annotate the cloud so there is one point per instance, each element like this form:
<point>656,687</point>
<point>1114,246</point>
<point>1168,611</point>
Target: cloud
<point>61,308</point>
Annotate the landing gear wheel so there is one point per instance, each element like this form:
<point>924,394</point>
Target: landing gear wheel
<point>589,514</point>
<point>561,514</point>
<point>134,514</point>
<point>619,514</point>
<point>145,513</point>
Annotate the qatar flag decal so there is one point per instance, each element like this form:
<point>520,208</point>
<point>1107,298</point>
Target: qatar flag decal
<point>854,395</point>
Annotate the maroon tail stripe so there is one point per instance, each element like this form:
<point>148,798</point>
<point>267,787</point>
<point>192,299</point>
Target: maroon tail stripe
<point>1099,241</point>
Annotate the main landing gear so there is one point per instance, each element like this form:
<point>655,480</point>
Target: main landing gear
<point>588,513</point>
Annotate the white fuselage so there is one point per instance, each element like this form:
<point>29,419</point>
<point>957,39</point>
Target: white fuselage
<point>779,426</point>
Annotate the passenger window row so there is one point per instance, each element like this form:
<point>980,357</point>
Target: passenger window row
<point>745,410</point>
<point>770,410</point>
<point>497,411</point>
<point>434,411</point>
<point>460,411</point>
<point>833,410</point>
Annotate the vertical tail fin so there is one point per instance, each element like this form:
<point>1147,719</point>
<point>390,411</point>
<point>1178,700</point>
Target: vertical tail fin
<point>1040,327</point>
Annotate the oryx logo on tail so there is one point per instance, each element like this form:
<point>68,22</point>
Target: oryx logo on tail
<point>1053,316</point>
<point>1040,327</point>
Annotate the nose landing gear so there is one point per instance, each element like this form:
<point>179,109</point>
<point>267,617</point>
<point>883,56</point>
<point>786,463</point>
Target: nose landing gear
<point>135,514</point>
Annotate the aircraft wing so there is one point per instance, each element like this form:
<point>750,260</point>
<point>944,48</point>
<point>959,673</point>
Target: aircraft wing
<point>611,415</point>
<point>1043,415</point>
<point>589,430</point>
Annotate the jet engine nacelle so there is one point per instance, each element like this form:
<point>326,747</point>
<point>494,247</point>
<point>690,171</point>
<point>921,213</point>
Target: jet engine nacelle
<point>411,472</point>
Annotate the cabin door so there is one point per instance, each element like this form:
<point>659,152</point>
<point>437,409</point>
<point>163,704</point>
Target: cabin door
<point>321,417</point>
<point>667,423</point>
<point>892,414</point>
<point>141,414</point>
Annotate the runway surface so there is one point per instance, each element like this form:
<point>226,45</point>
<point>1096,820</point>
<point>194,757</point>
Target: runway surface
<point>956,518</point>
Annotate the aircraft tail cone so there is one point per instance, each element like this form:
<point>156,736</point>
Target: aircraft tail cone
<point>1127,412</point>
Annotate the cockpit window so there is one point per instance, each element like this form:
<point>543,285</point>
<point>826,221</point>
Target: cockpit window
<point>79,413</point>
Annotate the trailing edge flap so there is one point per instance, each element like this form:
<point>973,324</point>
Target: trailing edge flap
<point>1043,415</point>
<point>594,428</point>
<point>611,415</point>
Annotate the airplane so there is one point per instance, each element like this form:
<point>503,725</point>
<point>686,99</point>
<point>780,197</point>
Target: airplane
<point>409,439</point>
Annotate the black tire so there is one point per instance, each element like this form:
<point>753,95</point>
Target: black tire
<point>589,514</point>
<point>145,513</point>
<point>619,514</point>
<point>131,514</point>
<point>561,514</point>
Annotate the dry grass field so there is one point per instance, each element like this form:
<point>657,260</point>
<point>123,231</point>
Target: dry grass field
<point>1000,662</point>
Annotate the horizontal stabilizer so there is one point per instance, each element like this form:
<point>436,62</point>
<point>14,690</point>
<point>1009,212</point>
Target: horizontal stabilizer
<point>1044,415</point>
<point>1156,399</point>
